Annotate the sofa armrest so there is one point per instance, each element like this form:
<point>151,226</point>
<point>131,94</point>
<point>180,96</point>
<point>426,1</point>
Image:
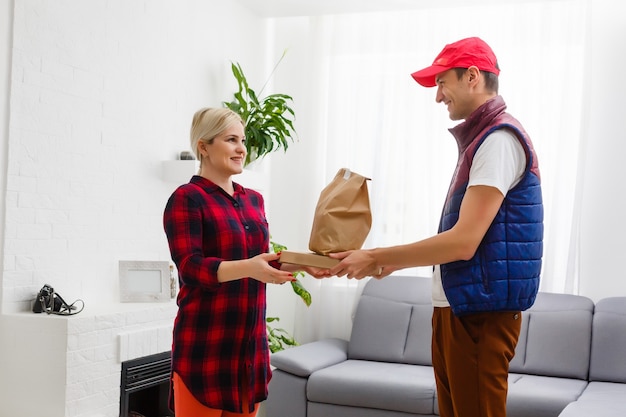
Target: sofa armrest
<point>305,359</point>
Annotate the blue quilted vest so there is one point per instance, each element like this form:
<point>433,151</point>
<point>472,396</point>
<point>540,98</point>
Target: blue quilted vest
<point>503,274</point>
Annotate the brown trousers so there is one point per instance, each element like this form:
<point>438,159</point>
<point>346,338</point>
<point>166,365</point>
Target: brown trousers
<point>471,356</point>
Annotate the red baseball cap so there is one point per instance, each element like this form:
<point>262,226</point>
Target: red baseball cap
<point>461,54</point>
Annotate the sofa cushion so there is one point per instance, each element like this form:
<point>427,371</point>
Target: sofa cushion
<point>387,386</point>
<point>406,289</point>
<point>310,357</point>
<point>555,339</point>
<point>334,410</point>
<point>532,395</point>
<point>418,343</point>
<point>608,344</point>
<point>603,399</point>
<point>392,322</point>
<point>380,329</point>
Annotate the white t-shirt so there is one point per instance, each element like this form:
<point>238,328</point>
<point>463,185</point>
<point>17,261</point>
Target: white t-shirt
<point>499,162</point>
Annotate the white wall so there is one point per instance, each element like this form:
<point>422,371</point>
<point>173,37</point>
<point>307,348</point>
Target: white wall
<point>96,94</point>
<point>6,23</point>
<point>101,93</point>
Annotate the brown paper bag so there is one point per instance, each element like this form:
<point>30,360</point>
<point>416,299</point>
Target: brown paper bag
<point>342,217</point>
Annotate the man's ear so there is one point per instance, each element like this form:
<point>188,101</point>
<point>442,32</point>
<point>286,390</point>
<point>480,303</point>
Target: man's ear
<point>473,74</point>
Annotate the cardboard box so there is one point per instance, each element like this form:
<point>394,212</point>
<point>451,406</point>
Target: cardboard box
<point>307,259</point>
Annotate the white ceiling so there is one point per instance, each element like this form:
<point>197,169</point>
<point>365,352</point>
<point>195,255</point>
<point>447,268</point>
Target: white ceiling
<point>281,8</point>
<point>278,8</point>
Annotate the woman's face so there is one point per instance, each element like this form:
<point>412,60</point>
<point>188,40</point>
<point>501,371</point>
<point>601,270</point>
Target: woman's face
<point>227,153</point>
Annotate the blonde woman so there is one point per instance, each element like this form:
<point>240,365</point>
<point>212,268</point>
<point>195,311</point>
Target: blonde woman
<point>219,240</point>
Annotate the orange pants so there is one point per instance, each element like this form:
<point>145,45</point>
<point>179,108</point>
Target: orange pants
<point>186,405</point>
<point>471,356</point>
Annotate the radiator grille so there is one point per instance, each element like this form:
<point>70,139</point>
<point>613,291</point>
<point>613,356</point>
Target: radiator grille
<point>146,372</point>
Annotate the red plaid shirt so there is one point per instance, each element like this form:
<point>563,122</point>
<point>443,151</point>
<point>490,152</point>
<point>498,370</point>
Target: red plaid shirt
<point>219,331</point>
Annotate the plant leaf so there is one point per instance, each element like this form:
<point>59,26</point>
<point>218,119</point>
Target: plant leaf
<point>269,120</point>
<point>299,289</point>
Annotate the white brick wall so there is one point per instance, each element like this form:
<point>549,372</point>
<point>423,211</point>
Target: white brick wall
<point>97,345</point>
<point>101,92</point>
<point>73,364</point>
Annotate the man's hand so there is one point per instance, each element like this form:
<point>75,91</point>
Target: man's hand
<point>356,264</point>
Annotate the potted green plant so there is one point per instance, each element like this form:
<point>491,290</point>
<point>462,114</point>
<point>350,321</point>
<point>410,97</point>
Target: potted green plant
<point>269,127</point>
<point>269,120</point>
<point>278,338</point>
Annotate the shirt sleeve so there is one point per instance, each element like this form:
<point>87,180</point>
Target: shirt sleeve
<point>499,162</point>
<point>183,226</point>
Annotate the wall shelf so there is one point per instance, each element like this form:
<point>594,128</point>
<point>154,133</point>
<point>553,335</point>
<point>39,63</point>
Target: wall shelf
<point>179,170</point>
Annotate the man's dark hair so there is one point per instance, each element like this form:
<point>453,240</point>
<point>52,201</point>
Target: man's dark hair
<point>491,79</point>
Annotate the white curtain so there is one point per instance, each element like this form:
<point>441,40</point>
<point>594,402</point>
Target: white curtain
<point>377,121</point>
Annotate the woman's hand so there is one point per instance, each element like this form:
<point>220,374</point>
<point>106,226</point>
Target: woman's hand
<point>264,272</point>
<point>317,272</point>
<point>257,267</point>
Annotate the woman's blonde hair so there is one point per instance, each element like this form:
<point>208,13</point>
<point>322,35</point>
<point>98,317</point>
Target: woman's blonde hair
<point>208,123</point>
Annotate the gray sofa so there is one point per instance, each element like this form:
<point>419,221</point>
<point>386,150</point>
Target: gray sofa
<point>570,360</point>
